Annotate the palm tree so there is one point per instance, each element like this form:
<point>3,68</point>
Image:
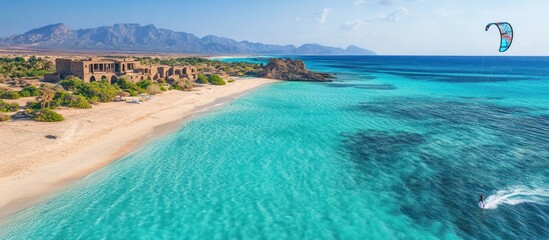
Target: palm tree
<point>45,97</point>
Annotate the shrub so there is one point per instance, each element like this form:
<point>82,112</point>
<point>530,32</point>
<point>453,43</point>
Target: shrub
<point>180,84</point>
<point>30,91</point>
<point>126,85</point>
<point>46,115</point>
<point>217,80</point>
<point>72,83</point>
<point>202,79</point>
<point>8,107</point>
<point>94,100</point>
<point>162,88</point>
<point>9,95</point>
<point>101,91</point>
<point>154,89</point>
<point>132,93</point>
<point>231,81</point>
<point>4,117</point>
<point>144,84</point>
<point>76,101</point>
<point>184,84</point>
<point>33,105</point>
<point>24,94</point>
<point>176,87</point>
<point>58,99</point>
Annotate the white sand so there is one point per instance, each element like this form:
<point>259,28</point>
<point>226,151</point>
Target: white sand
<point>32,165</point>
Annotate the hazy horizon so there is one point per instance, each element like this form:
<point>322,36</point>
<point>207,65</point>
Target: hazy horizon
<point>387,27</point>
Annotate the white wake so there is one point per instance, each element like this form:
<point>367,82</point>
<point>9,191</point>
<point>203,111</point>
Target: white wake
<point>517,195</point>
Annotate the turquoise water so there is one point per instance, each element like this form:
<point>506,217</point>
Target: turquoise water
<point>396,148</point>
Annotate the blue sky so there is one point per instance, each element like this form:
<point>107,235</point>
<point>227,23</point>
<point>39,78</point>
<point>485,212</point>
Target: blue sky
<point>429,27</point>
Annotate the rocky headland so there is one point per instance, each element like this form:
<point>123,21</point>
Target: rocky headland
<point>292,70</point>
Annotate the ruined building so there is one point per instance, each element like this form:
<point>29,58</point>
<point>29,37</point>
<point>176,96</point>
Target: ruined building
<point>95,69</point>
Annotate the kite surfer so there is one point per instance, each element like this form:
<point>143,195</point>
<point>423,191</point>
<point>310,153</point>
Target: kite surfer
<point>506,34</point>
<point>481,201</point>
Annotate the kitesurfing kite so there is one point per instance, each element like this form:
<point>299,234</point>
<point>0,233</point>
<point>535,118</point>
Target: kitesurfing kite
<point>506,32</point>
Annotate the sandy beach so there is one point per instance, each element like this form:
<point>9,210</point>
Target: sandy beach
<point>33,166</point>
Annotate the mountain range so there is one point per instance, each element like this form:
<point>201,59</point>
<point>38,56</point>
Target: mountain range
<point>150,39</point>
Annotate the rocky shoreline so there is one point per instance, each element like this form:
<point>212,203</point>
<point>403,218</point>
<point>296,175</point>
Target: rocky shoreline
<point>292,70</point>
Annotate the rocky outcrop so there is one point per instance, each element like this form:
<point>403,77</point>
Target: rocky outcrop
<point>292,70</point>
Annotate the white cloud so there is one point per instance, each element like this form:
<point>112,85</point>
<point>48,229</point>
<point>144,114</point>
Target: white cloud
<point>385,2</point>
<point>358,2</point>
<point>322,15</point>
<point>354,25</point>
<point>396,15</point>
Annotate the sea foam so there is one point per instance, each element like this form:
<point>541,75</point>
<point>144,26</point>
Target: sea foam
<point>517,195</point>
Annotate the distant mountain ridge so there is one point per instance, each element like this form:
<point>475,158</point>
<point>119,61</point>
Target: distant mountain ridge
<point>149,39</point>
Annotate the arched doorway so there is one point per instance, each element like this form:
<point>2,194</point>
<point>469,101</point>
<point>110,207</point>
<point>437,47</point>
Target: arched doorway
<point>114,79</point>
<point>103,78</point>
<point>92,79</point>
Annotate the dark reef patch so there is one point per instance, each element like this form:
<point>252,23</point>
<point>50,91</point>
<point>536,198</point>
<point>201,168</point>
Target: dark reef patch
<point>461,149</point>
<point>454,78</point>
<point>363,86</point>
<point>482,98</point>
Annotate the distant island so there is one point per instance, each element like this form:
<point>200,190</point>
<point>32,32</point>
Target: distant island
<point>149,39</point>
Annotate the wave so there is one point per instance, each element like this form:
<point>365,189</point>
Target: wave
<point>517,195</point>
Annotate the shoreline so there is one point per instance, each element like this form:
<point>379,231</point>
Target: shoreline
<point>31,176</point>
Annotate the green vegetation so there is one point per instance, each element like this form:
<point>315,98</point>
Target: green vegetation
<point>46,115</point>
<point>19,67</point>
<point>202,79</point>
<point>62,98</point>
<point>130,87</point>
<point>30,91</point>
<point>144,84</point>
<point>97,91</point>
<point>217,80</point>
<point>71,83</point>
<point>9,95</point>
<point>231,80</point>
<point>93,92</point>
<point>33,106</point>
<point>8,107</point>
<point>4,117</point>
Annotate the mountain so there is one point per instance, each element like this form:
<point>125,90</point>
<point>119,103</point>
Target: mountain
<point>149,39</point>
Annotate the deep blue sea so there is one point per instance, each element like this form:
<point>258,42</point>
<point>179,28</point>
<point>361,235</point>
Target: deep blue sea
<point>395,148</point>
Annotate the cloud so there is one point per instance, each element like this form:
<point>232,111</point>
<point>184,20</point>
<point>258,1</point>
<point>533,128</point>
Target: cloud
<point>358,2</point>
<point>322,15</point>
<point>396,15</point>
<point>354,25</point>
<point>385,2</point>
<point>391,17</point>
